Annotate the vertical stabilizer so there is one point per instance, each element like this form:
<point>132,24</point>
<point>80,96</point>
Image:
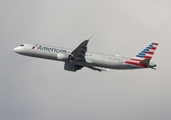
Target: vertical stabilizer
<point>148,52</point>
<point>143,58</point>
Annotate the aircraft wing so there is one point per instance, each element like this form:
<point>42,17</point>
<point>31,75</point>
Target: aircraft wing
<point>80,51</point>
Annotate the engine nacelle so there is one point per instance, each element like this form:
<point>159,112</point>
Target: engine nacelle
<point>72,67</point>
<point>64,57</point>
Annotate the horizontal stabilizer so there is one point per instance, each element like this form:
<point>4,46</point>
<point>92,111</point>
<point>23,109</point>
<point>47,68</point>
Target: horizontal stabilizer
<point>153,68</point>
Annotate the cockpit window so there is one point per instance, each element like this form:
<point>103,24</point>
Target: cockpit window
<point>21,45</point>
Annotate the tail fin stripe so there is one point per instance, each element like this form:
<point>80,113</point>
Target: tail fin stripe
<point>149,47</point>
<point>136,59</point>
<point>140,56</point>
<point>148,51</point>
<point>136,64</point>
<point>153,48</point>
<point>149,57</point>
<point>145,51</point>
<point>151,53</point>
<point>142,53</point>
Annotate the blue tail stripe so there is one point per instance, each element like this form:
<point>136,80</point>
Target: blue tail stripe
<point>144,51</point>
<point>148,47</point>
<point>140,56</point>
<point>151,45</point>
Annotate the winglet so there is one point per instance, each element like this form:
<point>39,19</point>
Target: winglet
<point>89,37</point>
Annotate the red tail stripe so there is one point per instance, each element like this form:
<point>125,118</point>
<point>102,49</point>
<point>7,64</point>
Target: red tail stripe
<point>151,53</point>
<point>148,57</point>
<point>136,64</point>
<point>156,44</point>
<point>135,59</point>
<point>153,48</point>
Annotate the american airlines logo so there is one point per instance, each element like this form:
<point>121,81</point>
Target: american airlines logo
<point>34,46</point>
<point>48,49</point>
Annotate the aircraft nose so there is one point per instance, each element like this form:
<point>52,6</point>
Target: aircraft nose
<point>18,49</point>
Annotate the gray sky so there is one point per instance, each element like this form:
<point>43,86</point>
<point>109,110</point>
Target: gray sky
<point>34,89</point>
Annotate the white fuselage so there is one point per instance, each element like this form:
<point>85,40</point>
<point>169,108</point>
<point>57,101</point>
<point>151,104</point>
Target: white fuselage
<point>91,59</point>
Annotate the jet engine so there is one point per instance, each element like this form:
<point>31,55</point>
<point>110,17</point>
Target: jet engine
<point>64,57</point>
<point>71,67</point>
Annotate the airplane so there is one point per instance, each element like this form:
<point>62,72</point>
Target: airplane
<point>77,58</point>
